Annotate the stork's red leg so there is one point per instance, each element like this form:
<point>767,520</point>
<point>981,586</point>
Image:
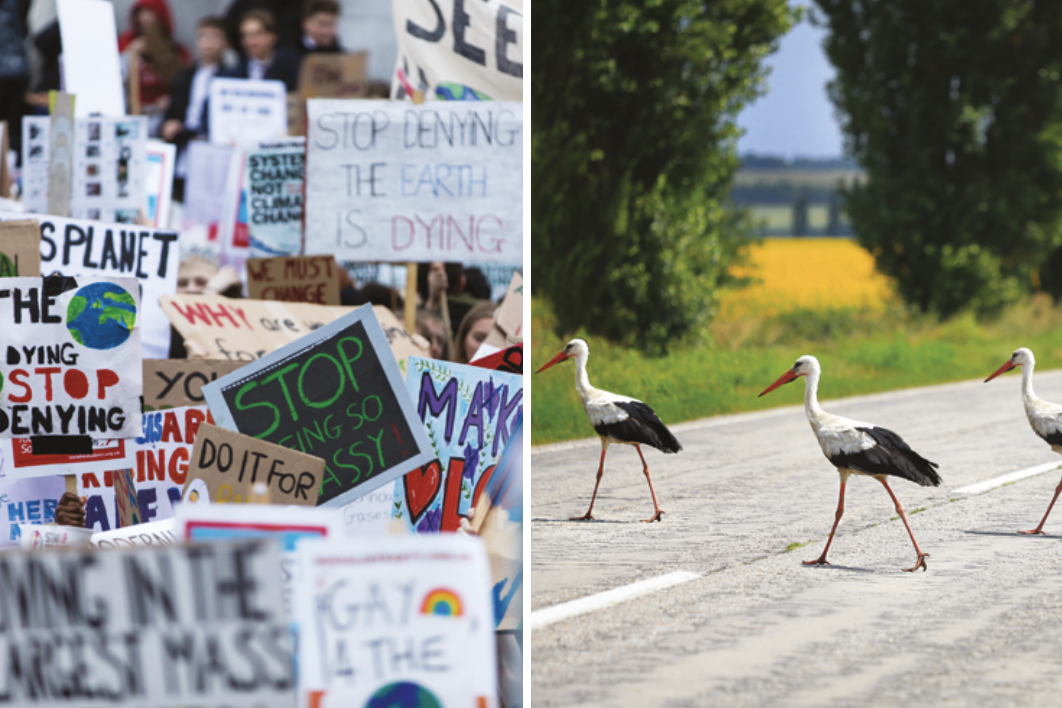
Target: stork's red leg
<point>899,510</point>
<point>657,511</point>
<point>600,471</point>
<point>821,560</point>
<point>1040,529</point>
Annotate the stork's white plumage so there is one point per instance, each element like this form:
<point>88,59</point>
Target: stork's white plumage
<point>1044,417</point>
<point>859,448</point>
<point>617,419</point>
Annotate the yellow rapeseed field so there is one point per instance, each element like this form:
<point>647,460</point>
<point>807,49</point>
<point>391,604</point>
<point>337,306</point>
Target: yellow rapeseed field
<point>815,273</point>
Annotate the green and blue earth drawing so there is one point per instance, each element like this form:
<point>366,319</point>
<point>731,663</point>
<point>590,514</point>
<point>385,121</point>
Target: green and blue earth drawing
<point>101,316</point>
<point>403,694</point>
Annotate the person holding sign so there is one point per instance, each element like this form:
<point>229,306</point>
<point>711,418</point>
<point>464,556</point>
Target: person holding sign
<point>264,59</point>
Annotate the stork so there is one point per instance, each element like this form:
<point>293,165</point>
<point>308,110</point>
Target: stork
<point>1044,417</point>
<point>860,449</point>
<point>617,419</point>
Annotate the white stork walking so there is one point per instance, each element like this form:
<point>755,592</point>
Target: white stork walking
<point>617,419</point>
<point>859,448</point>
<point>1044,417</point>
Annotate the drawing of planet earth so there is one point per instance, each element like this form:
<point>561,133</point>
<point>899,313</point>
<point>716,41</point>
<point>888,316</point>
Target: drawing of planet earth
<point>450,91</point>
<point>403,694</point>
<point>101,316</point>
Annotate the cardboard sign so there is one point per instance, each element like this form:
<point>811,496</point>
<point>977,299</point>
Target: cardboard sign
<point>272,198</point>
<point>20,248</point>
<point>470,414</point>
<point>247,111</point>
<point>77,248</point>
<point>71,362</point>
<point>337,394</point>
<point>109,169</point>
<point>396,182</point>
<point>173,383</point>
<point>159,626</point>
<point>35,149</point>
<point>106,454</point>
<point>26,501</point>
<point>61,153</point>
<point>313,279</point>
<point>453,50</point>
<point>245,330</point>
<point>509,317</point>
<point>229,465</point>
<point>334,75</point>
<point>91,68</point>
<point>155,533</point>
<point>125,498</point>
<point>424,599</point>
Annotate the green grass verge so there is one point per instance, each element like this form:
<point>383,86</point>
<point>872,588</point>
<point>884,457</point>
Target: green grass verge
<point>861,352</point>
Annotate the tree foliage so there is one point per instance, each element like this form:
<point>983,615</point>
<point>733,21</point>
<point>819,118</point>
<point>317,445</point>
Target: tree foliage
<point>953,109</point>
<point>633,154</point>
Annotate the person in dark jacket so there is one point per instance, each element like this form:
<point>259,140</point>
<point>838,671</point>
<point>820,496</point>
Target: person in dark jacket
<point>320,26</point>
<point>263,58</point>
<point>14,68</point>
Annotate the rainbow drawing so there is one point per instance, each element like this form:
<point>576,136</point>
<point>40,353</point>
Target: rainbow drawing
<point>443,602</point>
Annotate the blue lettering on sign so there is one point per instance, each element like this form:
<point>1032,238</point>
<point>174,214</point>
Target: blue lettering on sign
<point>444,180</point>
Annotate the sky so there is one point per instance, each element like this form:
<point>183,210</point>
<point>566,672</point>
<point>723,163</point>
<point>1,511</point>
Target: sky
<point>795,118</point>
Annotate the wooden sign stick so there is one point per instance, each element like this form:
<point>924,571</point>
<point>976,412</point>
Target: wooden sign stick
<point>411,298</point>
<point>71,483</point>
<point>134,83</point>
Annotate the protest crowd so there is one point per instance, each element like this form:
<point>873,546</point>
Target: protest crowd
<point>261,369</point>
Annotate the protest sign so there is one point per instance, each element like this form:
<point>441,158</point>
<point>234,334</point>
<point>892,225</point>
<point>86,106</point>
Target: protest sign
<point>334,75</point>
<point>105,454</point>
<point>60,153</point>
<point>71,363</point>
<point>244,330</point>
<point>204,189</point>
<point>35,144</point>
<point>158,182</point>
<point>454,50</point>
<point>396,182</point>
<point>230,464</point>
<point>20,248</point>
<point>159,460</point>
<point>313,279</point>
<point>172,383</point>
<point>154,533</point>
<point>125,501</point>
<point>469,414</point>
<point>405,621</point>
<point>510,359</point>
<point>38,537</point>
<point>109,169</point>
<point>509,317</point>
<point>76,247</point>
<point>272,198</point>
<point>246,111</point>
<point>24,502</point>
<point>369,515</point>
<point>91,69</point>
<point>158,627</point>
<point>337,394</point>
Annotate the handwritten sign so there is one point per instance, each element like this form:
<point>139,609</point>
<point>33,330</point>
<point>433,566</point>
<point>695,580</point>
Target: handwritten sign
<point>313,279</point>
<point>499,521</point>
<point>509,317</point>
<point>470,414</point>
<point>272,184</point>
<point>125,498</point>
<point>246,330</point>
<point>173,383</point>
<point>78,247</point>
<point>24,502</point>
<point>229,465</point>
<point>463,51</point>
<point>20,248</point>
<point>154,533</point>
<point>397,182</point>
<point>337,394</point>
<point>405,619</point>
<point>161,627</point>
<point>71,362</point>
<point>246,111</point>
<point>334,75</point>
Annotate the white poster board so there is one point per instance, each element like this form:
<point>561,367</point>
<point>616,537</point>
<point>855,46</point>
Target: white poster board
<point>389,181</point>
<point>26,501</point>
<point>77,247</point>
<point>424,598</point>
<point>158,182</point>
<point>109,169</point>
<point>246,111</point>
<point>91,68</point>
<point>35,144</point>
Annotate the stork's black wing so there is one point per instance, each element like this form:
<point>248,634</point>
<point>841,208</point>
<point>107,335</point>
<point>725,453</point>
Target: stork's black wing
<point>642,426</point>
<point>891,456</point>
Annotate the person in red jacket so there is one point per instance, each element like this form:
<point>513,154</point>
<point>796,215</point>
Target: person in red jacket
<point>150,38</point>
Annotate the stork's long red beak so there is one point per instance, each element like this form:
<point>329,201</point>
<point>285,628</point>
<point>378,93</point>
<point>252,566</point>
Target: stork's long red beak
<point>1002,370</point>
<point>782,380</point>
<point>555,360</point>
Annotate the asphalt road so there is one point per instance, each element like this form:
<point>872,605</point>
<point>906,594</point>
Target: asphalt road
<point>982,627</point>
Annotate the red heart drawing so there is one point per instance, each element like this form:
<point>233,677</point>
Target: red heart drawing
<point>422,486</point>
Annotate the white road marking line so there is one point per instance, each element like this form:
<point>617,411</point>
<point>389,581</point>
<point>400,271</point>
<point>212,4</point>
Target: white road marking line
<point>549,615</point>
<point>990,484</point>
